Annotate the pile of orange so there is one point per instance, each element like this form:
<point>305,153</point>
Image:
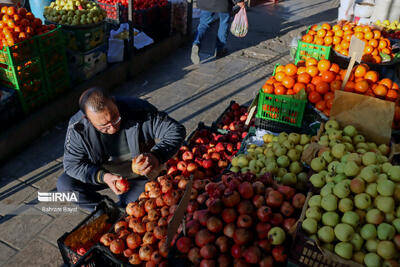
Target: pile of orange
<point>17,25</point>
<point>320,79</point>
<point>339,38</point>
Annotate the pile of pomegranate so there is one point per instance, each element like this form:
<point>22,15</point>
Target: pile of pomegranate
<point>141,236</point>
<point>245,221</point>
<point>234,118</point>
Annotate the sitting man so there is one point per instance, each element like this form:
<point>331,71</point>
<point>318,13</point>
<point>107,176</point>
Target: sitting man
<point>104,137</point>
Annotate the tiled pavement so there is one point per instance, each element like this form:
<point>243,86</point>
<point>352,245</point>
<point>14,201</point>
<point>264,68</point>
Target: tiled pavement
<point>188,93</point>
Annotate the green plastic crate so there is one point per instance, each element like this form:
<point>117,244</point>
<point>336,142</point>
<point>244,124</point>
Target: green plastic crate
<point>305,50</point>
<point>19,53</point>
<point>58,80</point>
<point>16,76</point>
<point>85,39</point>
<point>280,108</point>
<point>35,97</point>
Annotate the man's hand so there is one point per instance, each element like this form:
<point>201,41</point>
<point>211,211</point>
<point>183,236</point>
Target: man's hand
<point>150,162</point>
<point>110,180</point>
<point>241,4</point>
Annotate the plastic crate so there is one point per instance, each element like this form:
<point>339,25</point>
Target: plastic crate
<point>19,53</point>
<point>36,97</point>
<point>97,257</point>
<point>280,108</point>
<point>16,75</point>
<point>318,52</point>
<point>218,122</point>
<point>108,207</point>
<point>58,79</point>
<point>83,66</point>
<point>117,13</point>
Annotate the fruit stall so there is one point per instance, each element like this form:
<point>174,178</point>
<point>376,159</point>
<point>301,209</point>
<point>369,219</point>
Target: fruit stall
<point>41,60</point>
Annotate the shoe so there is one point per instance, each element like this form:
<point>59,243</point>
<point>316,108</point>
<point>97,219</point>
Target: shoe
<point>195,54</point>
<point>221,53</point>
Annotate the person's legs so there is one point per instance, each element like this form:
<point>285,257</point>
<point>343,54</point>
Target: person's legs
<point>136,188</point>
<point>222,32</point>
<point>88,197</point>
<point>206,18</point>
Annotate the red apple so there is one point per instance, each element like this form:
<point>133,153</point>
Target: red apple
<point>187,156</point>
<point>122,185</point>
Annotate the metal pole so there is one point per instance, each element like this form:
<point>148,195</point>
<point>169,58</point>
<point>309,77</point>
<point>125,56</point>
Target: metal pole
<point>189,18</point>
<point>130,23</point>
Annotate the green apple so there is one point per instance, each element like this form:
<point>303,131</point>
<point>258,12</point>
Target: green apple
<point>276,235</point>
<point>318,164</point>
<point>389,217</point>
<point>386,231</point>
<point>327,157</point>
<point>234,169</point>
<point>357,242</point>
<point>331,124</point>
<point>332,166</point>
<point>296,167</point>
<point>299,148</point>
<point>294,154</point>
<point>288,144</point>
<point>351,218</point>
<point>382,177</point>
<point>330,218</point>
<point>349,147</point>
<point>329,178</point>
<point>386,188</point>
<point>387,250</point>
<point>357,185</point>
<point>344,232</point>
<point>345,204</point>
<point>373,147</point>
<point>279,150</point>
<point>294,137</point>
<point>385,204</point>
<point>344,250</point>
<point>362,201</point>
<point>354,157</point>
<point>370,173</point>
<point>396,224</point>
<point>384,149</point>
<point>304,139</point>
<point>363,146</point>
<point>242,161</point>
<point>342,189</point>
<point>283,161</point>
<point>372,189</point>
<point>281,172</point>
<point>358,139</point>
<point>326,234</point>
<point>372,245</point>
<point>315,201</point>
<point>310,226</point>
<point>369,158</point>
<point>382,159</point>
<point>282,137</point>
<point>361,151</point>
<point>329,202</point>
<point>317,180</point>
<point>347,139</point>
<point>374,216</point>
<point>327,189</point>
<point>359,257</point>
<point>339,177</point>
<point>314,213</point>
<point>351,169</point>
<point>338,150</point>
<point>340,168</point>
<point>272,167</point>
<point>289,179</point>
<point>350,130</point>
<point>372,260</point>
<point>394,173</point>
<point>386,167</point>
<point>368,231</point>
<point>269,153</point>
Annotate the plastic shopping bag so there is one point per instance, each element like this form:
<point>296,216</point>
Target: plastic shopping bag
<point>240,25</point>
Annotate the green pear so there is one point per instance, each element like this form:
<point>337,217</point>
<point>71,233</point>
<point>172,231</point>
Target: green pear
<point>351,218</point>
<point>338,150</point>
<point>289,179</point>
<point>372,260</point>
<point>344,250</point>
<point>340,168</point>
<point>314,213</point>
<point>318,164</point>
<point>384,149</point>
<point>351,169</point>
<point>344,232</point>
<point>329,202</point>
<point>359,257</point>
<point>386,188</point>
<point>362,201</point>
<point>332,166</point>
<point>294,137</point>
<point>370,173</point>
<point>317,180</point>
<point>327,156</point>
<point>330,218</point>
<point>341,190</point>
<point>368,231</point>
<point>310,226</point>
<point>396,224</point>
<point>358,139</point>
<point>331,125</point>
<point>386,167</point>
<point>357,242</point>
<point>282,137</point>
<point>394,173</point>
<point>339,178</point>
<point>350,130</point>
<point>296,167</point>
<point>385,204</point>
<point>326,234</point>
<point>315,201</point>
<point>386,231</point>
<point>327,189</point>
<point>369,158</point>
<point>304,139</point>
<point>345,204</point>
<point>294,154</point>
<point>372,189</point>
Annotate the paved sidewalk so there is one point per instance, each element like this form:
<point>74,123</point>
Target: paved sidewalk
<point>188,93</point>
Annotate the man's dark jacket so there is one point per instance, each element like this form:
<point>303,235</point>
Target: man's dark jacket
<point>217,5</point>
<point>142,123</point>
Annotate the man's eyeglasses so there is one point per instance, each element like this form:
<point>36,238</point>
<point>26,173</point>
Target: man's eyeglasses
<point>114,123</point>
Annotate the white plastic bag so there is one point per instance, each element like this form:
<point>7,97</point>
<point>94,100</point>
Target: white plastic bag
<point>240,25</point>
<point>346,10</point>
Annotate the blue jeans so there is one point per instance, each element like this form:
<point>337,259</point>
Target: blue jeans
<point>88,195</point>
<point>206,17</point>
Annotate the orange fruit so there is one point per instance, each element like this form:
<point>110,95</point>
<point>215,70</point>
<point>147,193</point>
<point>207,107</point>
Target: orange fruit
<point>329,95</point>
<point>335,85</point>
<point>347,37</point>
<point>304,78</point>
<point>386,51</point>
<point>11,24</point>
<point>326,26</point>
<point>328,76</point>
<point>280,68</point>
<point>360,71</point>
<point>316,80</point>
<point>368,35</point>
<point>290,92</point>
<point>288,82</point>
<point>311,61</point>
<point>270,81</point>
<point>327,112</point>
<point>339,33</point>
<point>320,105</point>
<point>346,27</point>
<point>307,38</point>
<point>359,35</point>
<point>4,10</point>
<point>319,40</point>
<point>391,95</point>
<point>324,65</point>
<point>279,76</point>
<point>371,76</point>
<point>311,32</point>
<point>321,33</point>
<point>301,70</point>
<point>336,27</point>
<point>328,40</point>
<point>312,70</point>
<point>314,97</point>
<point>361,86</point>
<point>349,87</point>
<point>345,45</point>
<point>367,29</point>
<point>377,59</point>
<point>322,88</point>
<point>368,49</point>
<point>290,69</point>
<point>336,40</point>
<point>310,88</point>
<point>374,43</point>
<point>329,33</point>
<point>11,11</point>
<point>298,87</point>
<point>377,34</point>
<point>335,68</point>
<point>380,90</point>
<point>395,86</point>
<point>375,52</point>
<point>387,82</point>
<point>280,90</point>
<point>329,103</point>
<point>382,44</point>
<point>358,28</point>
<point>268,88</point>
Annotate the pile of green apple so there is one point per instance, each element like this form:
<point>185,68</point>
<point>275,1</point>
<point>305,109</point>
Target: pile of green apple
<point>279,155</point>
<point>74,12</point>
<point>357,213</point>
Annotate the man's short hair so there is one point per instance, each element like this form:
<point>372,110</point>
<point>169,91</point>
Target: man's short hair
<point>96,99</point>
